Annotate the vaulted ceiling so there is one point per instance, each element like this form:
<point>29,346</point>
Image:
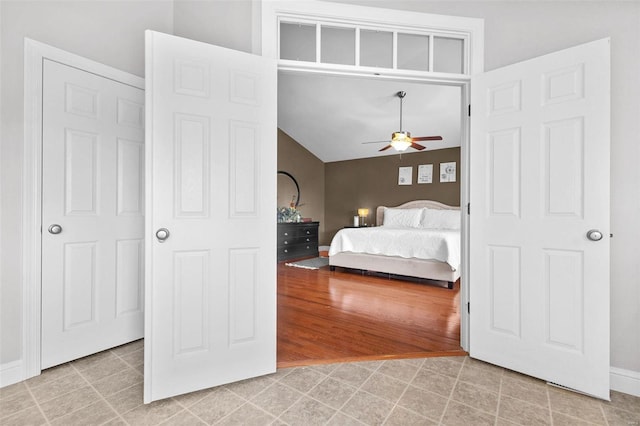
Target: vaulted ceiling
<point>332,116</point>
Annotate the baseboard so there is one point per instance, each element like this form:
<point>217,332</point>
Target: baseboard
<point>625,381</point>
<point>11,372</point>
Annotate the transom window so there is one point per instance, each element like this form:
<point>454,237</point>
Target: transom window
<point>388,48</point>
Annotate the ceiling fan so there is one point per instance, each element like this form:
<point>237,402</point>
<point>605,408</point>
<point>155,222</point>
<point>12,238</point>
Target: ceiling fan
<point>401,140</point>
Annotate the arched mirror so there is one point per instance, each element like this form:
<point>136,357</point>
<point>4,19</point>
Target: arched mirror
<point>288,190</point>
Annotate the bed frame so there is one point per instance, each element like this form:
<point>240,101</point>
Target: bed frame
<point>427,269</point>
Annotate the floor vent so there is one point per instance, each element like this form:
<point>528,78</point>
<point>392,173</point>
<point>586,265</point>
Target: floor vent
<point>572,390</point>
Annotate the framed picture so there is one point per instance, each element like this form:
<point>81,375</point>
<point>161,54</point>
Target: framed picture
<point>425,173</point>
<point>448,172</point>
<point>405,175</point>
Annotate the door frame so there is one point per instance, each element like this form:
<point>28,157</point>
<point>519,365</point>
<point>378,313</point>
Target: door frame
<point>34,55</point>
<point>472,28</point>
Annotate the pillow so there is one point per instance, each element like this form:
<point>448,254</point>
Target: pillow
<point>440,219</point>
<point>401,218</point>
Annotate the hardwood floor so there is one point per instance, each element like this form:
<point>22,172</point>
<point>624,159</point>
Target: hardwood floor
<point>340,316</point>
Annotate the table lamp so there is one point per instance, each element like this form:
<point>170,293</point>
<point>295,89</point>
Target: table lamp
<point>363,213</point>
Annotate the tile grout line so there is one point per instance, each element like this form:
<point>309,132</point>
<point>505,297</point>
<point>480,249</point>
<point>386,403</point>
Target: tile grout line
<point>328,376</point>
<point>437,394</point>
<point>604,415</point>
<point>248,400</point>
<point>30,388</point>
<point>499,400</point>
<point>188,409</point>
<point>395,405</point>
<point>99,395</point>
<point>446,406</point>
<point>339,410</point>
<point>262,409</point>
<point>278,417</point>
<point>549,404</point>
<point>44,416</point>
<point>121,415</point>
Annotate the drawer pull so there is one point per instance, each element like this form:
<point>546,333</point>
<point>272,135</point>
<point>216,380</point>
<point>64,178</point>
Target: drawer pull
<point>308,239</point>
<point>286,250</point>
<point>286,233</point>
<point>308,232</point>
<point>286,242</point>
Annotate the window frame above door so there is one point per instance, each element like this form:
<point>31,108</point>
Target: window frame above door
<point>471,30</point>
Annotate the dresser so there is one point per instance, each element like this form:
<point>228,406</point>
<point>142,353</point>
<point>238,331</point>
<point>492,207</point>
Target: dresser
<point>297,239</point>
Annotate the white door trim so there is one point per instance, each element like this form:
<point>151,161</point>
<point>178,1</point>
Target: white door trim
<point>474,30</point>
<point>34,54</point>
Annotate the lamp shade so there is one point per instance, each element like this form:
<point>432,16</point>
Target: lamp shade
<point>363,212</point>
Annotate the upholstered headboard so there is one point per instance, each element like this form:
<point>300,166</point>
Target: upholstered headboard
<point>416,204</point>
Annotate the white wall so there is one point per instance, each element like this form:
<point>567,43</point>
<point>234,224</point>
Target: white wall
<point>225,23</point>
<point>112,32</point>
<point>105,31</point>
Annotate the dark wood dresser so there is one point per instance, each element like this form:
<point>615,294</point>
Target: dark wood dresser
<point>297,240</point>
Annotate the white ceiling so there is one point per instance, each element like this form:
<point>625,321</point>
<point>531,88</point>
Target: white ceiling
<point>332,116</point>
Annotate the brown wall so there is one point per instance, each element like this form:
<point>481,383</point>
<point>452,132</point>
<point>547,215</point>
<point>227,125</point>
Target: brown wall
<point>330,193</point>
<point>309,172</point>
<point>371,182</point>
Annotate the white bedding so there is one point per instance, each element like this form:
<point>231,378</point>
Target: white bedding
<point>438,244</point>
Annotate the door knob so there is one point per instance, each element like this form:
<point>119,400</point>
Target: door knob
<point>594,235</point>
<point>55,229</point>
<point>162,234</point>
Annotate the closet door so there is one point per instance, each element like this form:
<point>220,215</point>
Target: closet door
<point>92,213</point>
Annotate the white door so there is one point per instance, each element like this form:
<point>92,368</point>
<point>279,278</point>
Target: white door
<point>92,213</point>
<point>539,287</point>
<point>210,224</point>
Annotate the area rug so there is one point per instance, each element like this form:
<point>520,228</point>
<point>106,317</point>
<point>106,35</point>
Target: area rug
<point>313,263</point>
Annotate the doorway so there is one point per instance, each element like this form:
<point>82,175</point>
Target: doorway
<point>338,118</point>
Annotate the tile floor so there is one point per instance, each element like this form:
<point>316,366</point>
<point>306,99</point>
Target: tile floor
<point>106,389</point>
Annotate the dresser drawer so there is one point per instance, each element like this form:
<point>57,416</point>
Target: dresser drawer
<point>291,241</point>
<point>308,231</point>
<point>297,251</point>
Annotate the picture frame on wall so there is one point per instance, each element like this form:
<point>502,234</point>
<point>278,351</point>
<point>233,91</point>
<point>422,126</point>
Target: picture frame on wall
<point>405,175</point>
<point>425,173</point>
<point>448,172</point>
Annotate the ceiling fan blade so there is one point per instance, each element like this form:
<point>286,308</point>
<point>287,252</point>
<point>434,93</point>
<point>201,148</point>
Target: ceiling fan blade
<point>385,148</point>
<point>427,138</point>
<point>417,146</point>
<point>387,141</point>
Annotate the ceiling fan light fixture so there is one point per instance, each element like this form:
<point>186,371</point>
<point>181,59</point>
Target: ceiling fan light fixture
<point>400,141</point>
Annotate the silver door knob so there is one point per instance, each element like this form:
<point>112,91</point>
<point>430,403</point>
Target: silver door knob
<point>162,234</point>
<point>55,229</point>
<point>594,235</point>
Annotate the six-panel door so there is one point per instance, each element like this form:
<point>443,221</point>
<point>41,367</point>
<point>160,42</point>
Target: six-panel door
<point>539,287</point>
<point>92,213</point>
<point>211,168</point>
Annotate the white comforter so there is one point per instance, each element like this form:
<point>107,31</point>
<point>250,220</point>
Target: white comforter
<point>438,244</point>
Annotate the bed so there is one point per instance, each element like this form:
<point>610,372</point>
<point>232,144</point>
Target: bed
<point>418,239</point>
